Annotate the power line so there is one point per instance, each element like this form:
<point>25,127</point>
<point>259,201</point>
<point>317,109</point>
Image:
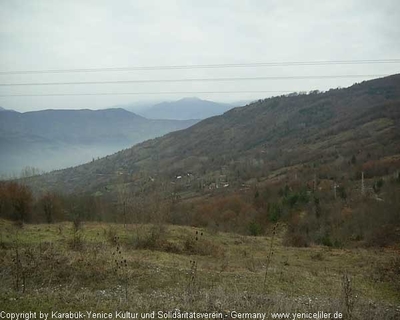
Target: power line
<point>209,66</point>
<point>139,93</point>
<point>192,80</point>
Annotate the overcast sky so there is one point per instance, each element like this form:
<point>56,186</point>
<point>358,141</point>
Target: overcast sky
<point>42,35</point>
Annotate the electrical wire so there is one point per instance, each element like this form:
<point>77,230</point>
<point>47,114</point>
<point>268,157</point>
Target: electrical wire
<point>209,66</point>
<point>140,93</point>
<point>192,80</point>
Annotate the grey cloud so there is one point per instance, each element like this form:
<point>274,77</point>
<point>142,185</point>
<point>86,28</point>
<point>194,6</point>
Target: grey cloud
<point>37,35</point>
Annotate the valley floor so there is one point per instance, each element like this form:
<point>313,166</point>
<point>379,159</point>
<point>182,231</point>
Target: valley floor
<point>145,268</point>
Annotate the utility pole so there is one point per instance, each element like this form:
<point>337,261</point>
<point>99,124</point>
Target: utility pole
<point>334,188</point>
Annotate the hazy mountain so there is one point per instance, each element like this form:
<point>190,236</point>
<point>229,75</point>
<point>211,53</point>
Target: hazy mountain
<point>137,106</point>
<point>184,109</point>
<point>52,139</point>
<point>260,139</point>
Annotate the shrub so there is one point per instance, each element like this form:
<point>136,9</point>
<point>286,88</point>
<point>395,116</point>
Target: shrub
<point>326,241</point>
<point>15,201</point>
<point>197,244</point>
<point>255,228</point>
<point>50,204</point>
<point>291,199</point>
<point>295,239</point>
<point>153,240</point>
<point>274,212</point>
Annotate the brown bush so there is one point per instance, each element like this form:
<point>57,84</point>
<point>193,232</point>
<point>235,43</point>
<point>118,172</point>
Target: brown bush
<point>204,247</point>
<point>15,201</point>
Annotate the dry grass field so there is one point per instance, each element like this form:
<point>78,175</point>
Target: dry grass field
<point>144,268</point>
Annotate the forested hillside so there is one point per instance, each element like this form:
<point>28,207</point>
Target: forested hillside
<point>357,124</point>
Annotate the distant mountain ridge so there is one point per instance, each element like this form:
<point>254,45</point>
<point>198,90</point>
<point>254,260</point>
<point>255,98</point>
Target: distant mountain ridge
<point>186,108</point>
<point>51,139</point>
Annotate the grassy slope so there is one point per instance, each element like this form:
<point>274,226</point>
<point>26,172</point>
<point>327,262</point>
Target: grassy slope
<point>230,272</point>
